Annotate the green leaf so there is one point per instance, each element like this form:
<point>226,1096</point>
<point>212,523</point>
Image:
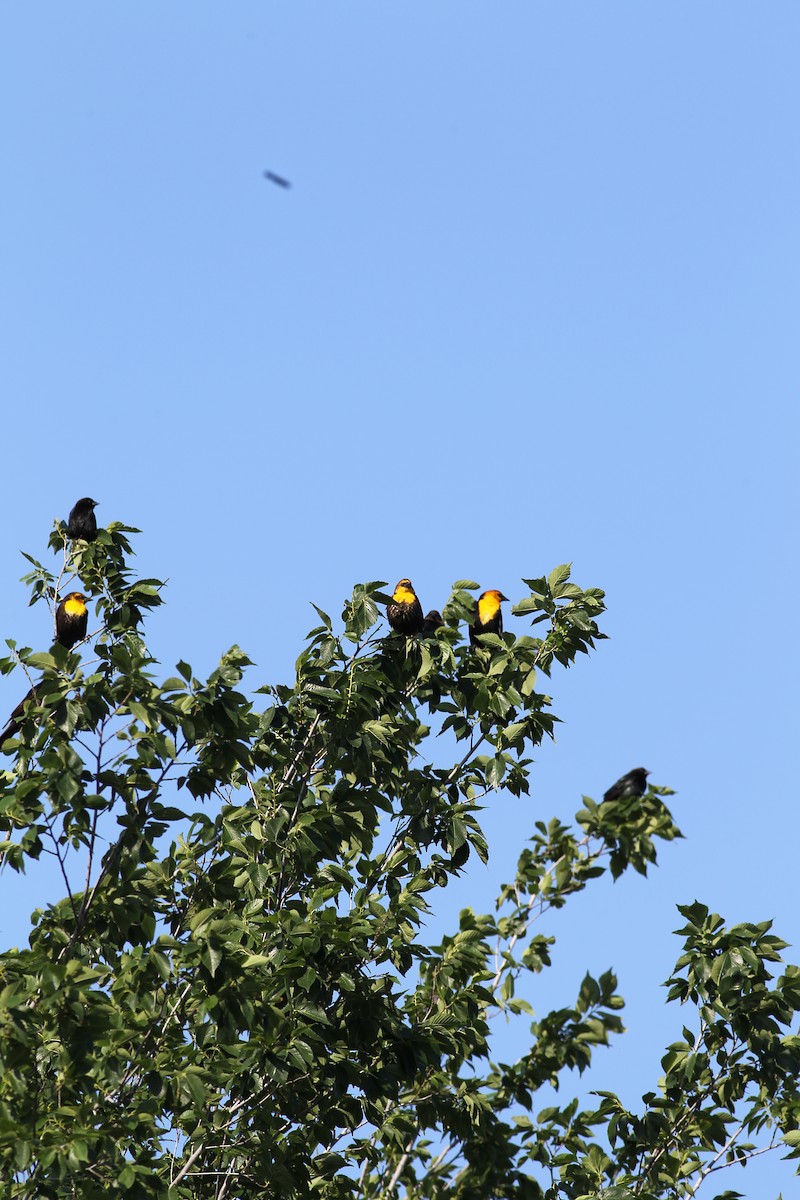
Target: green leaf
<point>495,771</point>
<point>323,616</point>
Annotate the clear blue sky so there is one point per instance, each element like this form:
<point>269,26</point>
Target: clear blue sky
<point>533,297</point>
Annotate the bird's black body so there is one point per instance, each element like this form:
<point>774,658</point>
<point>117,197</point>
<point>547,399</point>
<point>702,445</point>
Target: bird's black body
<point>14,722</point>
<point>632,784</point>
<point>433,621</point>
<point>82,522</point>
<point>488,617</point>
<point>404,611</point>
<point>71,619</point>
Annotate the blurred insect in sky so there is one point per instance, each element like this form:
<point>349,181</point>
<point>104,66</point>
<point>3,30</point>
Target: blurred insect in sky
<point>273,178</point>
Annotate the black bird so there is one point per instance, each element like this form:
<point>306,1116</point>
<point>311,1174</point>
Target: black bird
<point>632,784</point>
<point>433,621</point>
<point>489,617</point>
<point>82,522</point>
<point>12,725</point>
<point>273,178</point>
<point>71,618</point>
<point>404,611</point>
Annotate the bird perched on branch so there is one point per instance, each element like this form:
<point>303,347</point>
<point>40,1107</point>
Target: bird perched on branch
<point>433,621</point>
<point>82,522</point>
<point>489,617</point>
<point>632,784</point>
<point>12,725</point>
<point>71,619</point>
<point>404,611</point>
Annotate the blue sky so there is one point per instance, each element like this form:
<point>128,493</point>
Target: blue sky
<point>533,297</point>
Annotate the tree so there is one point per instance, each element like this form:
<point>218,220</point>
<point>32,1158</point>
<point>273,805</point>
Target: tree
<point>235,997</point>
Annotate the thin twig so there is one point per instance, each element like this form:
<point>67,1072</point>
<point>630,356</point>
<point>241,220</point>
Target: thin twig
<point>716,1165</point>
<point>404,1157</point>
<point>62,868</point>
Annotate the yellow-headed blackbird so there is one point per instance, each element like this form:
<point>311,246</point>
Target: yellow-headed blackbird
<point>71,617</point>
<point>488,618</point>
<point>632,784</point>
<point>433,621</point>
<point>82,522</point>
<point>404,611</point>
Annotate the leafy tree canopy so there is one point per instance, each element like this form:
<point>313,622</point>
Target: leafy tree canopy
<point>237,997</point>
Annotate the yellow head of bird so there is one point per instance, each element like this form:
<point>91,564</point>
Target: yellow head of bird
<point>75,604</point>
<point>489,604</point>
<point>404,592</point>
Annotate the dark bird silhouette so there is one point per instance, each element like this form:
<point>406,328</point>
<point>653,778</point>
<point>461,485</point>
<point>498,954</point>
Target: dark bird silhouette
<point>12,725</point>
<point>71,619</point>
<point>273,178</point>
<point>488,617</point>
<point>404,611</point>
<point>632,784</point>
<point>433,621</point>
<point>82,522</point>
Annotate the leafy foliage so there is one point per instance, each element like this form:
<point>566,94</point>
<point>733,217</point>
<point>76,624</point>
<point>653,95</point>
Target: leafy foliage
<point>235,996</point>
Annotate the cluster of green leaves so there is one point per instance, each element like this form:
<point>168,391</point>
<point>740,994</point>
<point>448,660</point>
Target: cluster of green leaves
<point>236,996</point>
